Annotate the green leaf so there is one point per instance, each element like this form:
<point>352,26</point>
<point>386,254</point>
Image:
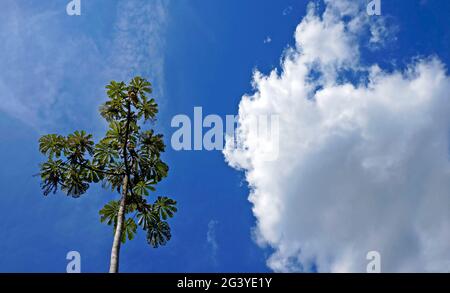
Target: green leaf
<point>158,233</point>
<point>74,184</point>
<point>152,145</point>
<point>141,85</point>
<point>142,188</point>
<point>147,109</point>
<point>78,144</point>
<point>109,213</point>
<point>105,152</point>
<point>114,181</point>
<point>52,145</point>
<point>165,207</point>
<point>93,173</point>
<point>115,132</point>
<point>162,169</point>
<point>129,230</point>
<point>116,90</point>
<point>113,110</point>
<point>52,175</point>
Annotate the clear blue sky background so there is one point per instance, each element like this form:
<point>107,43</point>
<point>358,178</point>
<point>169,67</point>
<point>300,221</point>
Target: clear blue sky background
<point>52,72</point>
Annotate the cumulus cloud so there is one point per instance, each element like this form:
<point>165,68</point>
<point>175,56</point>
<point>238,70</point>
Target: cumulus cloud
<point>362,166</point>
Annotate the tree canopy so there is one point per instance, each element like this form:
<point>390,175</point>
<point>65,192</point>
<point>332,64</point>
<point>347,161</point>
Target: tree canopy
<point>127,151</point>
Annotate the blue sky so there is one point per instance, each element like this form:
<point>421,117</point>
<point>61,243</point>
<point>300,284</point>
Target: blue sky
<point>197,53</point>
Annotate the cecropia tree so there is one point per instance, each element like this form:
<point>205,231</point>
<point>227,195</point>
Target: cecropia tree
<point>127,161</point>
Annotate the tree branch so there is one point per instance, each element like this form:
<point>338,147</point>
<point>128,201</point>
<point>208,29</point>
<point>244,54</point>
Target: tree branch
<point>84,165</point>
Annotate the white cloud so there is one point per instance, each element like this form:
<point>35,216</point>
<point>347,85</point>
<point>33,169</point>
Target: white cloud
<point>35,57</point>
<point>287,10</point>
<point>361,167</point>
<point>139,40</point>
<point>211,239</point>
<point>49,67</point>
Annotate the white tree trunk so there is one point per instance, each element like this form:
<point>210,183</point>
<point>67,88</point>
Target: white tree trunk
<point>114,264</point>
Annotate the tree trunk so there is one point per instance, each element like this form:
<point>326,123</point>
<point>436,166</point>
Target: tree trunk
<point>114,264</point>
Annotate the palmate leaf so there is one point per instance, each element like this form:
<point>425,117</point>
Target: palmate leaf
<point>152,169</point>
<point>129,230</point>
<point>52,145</point>
<point>116,90</point>
<point>146,218</point>
<point>112,110</point>
<point>151,145</point>
<point>147,109</point>
<point>165,207</point>
<point>93,173</point>
<point>109,213</point>
<point>137,204</point>
<point>141,86</point>
<point>106,152</point>
<point>137,90</point>
<point>161,170</point>
<point>145,212</point>
<point>74,183</point>
<point>142,188</point>
<point>158,233</point>
<point>115,132</point>
<point>113,181</point>
<point>51,175</point>
<point>77,145</point>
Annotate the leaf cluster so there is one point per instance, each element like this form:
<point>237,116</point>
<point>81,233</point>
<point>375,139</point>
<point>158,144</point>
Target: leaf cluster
<point>74,162</point>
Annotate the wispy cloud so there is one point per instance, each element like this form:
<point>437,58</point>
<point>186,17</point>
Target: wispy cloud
<point>211,239</point>
<point>35,63</point>
<point>138,47</point>
<point>287,10</point>
<point>52,64</point>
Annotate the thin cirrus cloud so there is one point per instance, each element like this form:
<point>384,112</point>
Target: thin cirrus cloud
<point>33,63</point>
<point>211,239</point>
<point>362,166</point>
<point>49,66</point>
<point>139,40</point>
